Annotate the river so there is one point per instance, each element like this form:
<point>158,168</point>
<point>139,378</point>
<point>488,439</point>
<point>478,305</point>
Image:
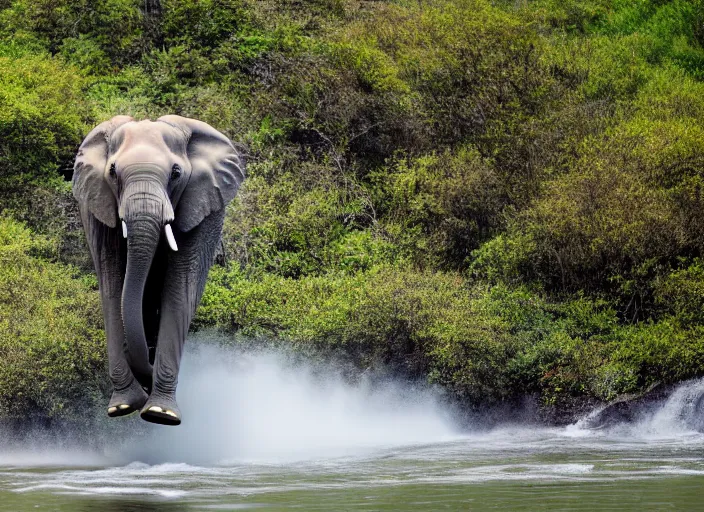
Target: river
<point>262,431</point>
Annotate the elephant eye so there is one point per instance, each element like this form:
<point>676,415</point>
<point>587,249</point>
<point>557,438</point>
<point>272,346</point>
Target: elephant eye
<point>112,170</point>
<point>175,172</point>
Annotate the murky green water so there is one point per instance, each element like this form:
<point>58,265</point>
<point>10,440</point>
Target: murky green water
<point>510,469</point>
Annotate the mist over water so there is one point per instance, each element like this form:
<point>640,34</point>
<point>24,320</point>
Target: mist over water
<point>264,406</point>
<point>270,407</point>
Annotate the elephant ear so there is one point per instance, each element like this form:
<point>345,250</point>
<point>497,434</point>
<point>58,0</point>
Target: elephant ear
<point>216,175</point>
<point>89,185</point>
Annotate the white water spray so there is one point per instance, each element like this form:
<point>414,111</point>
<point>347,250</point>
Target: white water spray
<point>265,407</point>
<point>678,417</point>
<point>261,406</point>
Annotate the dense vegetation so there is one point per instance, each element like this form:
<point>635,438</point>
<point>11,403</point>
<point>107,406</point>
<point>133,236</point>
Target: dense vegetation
<point>499,197</point>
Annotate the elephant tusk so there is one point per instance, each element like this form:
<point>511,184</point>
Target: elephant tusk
<point>170,237</point>
<point>124,229</point>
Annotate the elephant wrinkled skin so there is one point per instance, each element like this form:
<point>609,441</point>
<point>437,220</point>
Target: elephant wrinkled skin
<point>152,196</point>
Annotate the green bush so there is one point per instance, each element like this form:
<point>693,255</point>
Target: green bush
<point>302,221</point>
<point>42,117</point>
<point>681,294</point>
<point>622,210</point>
<point>52,355</point>
<point>88,33</point>
<point>439,207</point>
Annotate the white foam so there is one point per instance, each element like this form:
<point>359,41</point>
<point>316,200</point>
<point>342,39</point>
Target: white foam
<point>676,419</point>
<point>678,414</point>
<point>267,408</point>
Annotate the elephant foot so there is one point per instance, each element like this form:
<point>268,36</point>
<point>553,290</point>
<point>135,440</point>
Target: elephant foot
<point>161,409</point>
<point>126,401</point>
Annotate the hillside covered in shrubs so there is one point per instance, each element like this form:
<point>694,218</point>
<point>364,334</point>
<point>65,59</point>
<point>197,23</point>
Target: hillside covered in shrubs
<point>498,197</point>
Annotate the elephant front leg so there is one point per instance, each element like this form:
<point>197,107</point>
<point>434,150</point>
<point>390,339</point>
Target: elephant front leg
<point>128,395</point>
<point>187,270</point>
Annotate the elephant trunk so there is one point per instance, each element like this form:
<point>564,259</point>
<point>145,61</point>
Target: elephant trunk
<point>144,209</point>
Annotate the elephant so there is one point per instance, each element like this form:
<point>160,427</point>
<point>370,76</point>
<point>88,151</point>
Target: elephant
<point>152,197</point>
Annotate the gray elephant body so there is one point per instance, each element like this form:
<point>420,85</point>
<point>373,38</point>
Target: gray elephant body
<point>133,180</point>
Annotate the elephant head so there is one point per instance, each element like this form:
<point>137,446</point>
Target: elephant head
<point>142,178</point>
